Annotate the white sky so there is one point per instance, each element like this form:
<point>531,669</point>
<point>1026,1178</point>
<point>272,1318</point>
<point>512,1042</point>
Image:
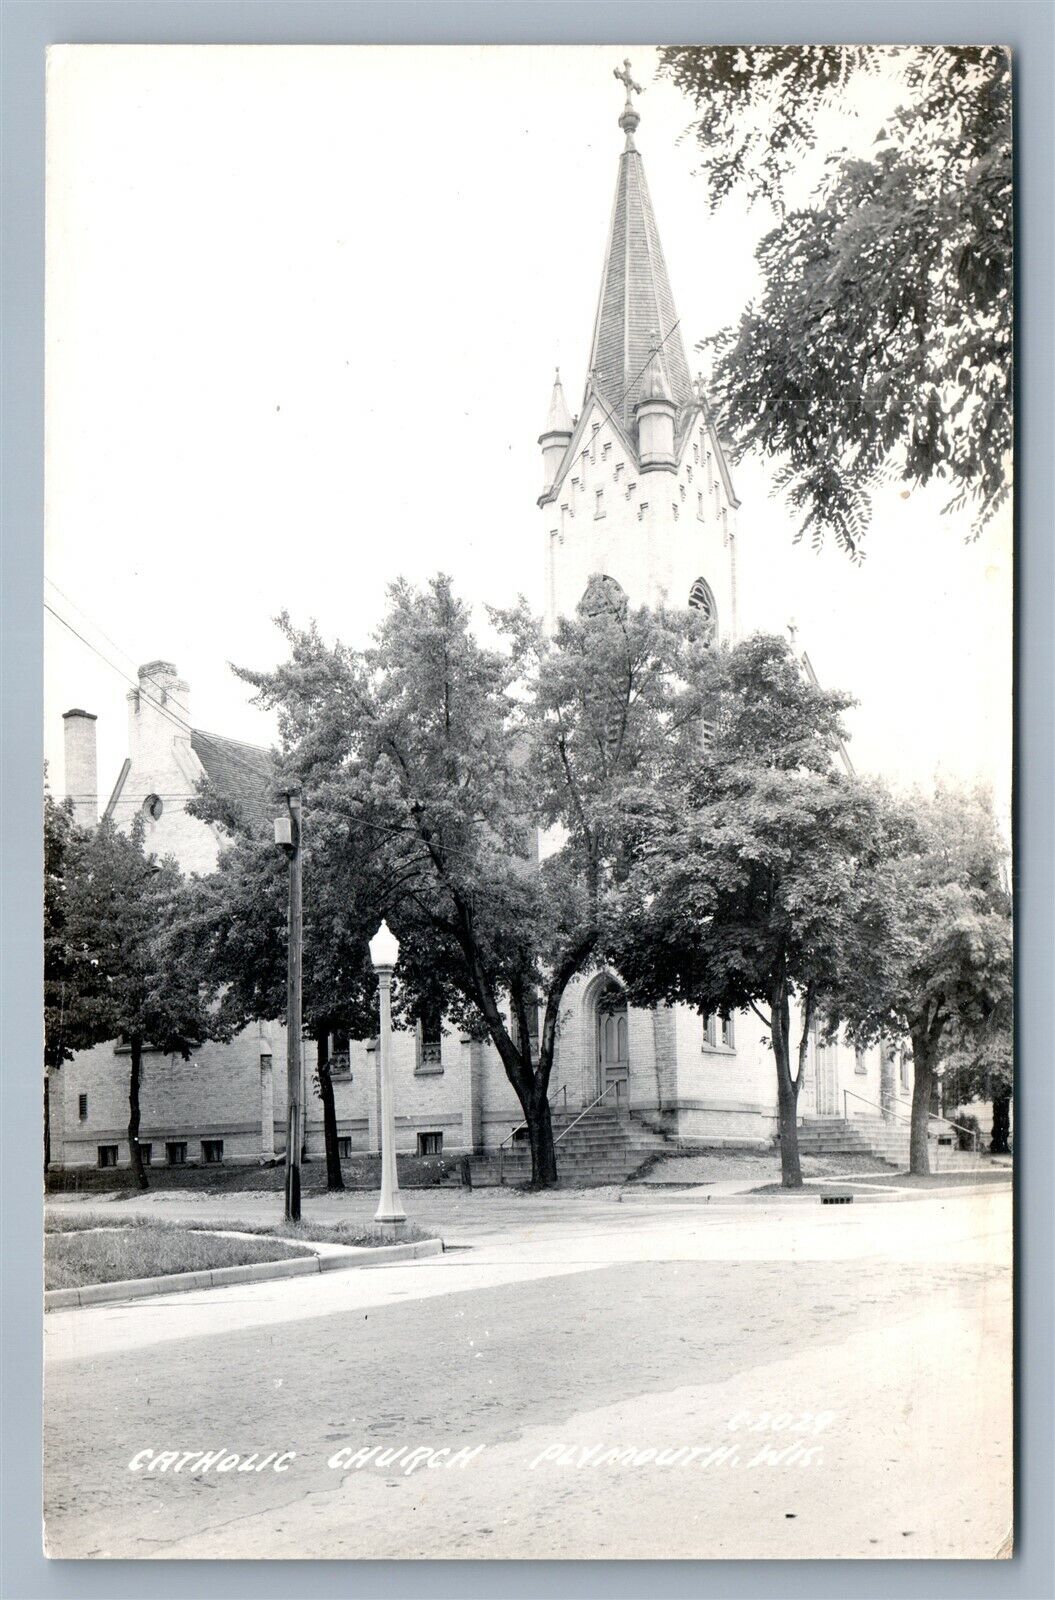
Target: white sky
<point>303,310</point>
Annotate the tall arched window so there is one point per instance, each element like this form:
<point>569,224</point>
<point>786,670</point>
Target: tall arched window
<point>602,594</point>
<point>702,599</point>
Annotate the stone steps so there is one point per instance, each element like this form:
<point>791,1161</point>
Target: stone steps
<point>604,1146</point>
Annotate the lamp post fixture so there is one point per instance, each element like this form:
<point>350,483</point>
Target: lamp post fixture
<point>384,953</point>
<point>288,839</point>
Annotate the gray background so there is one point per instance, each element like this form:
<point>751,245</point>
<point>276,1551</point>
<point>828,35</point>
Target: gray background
<point>26,28</point>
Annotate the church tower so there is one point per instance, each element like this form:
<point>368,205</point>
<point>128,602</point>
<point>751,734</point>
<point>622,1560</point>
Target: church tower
<point>637,492</point>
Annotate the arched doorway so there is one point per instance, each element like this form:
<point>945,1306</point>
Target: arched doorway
<point>612,1044</point>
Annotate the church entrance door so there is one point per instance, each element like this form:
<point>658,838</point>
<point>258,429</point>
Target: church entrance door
<point>613,1052</point>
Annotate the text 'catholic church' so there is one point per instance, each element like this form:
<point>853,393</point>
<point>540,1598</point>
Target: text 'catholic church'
<point>637,504</point>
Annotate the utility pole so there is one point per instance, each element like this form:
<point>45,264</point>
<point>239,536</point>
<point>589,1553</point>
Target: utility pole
<point>288,835</point>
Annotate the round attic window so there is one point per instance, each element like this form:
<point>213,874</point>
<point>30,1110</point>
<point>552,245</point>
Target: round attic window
<point>153,806</point>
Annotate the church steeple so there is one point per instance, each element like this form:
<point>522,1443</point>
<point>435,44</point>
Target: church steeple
<point>635,294</point>
<point>637,499</point>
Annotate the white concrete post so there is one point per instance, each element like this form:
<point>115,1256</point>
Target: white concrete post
<point>390,1209</point>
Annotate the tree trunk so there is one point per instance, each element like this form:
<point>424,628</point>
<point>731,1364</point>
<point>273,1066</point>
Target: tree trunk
<point>787,1095</point>
<point>922,1087</point>
<point>540,1135</point>
<point>999,1144</point>
<point>47,1123</point>
<point>334,1179</point>
<point>139,1176</point>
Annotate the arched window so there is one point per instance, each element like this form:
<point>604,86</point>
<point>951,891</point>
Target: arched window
<point>702,599</point>
<point>602,593</point>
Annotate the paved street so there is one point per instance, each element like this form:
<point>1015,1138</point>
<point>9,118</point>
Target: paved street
<point>842,1375</point>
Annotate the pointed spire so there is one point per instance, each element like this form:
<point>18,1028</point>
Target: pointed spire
<point>556,435</point>
<point>559,418</point>
<point>635,295</point>
<point>654,385</point>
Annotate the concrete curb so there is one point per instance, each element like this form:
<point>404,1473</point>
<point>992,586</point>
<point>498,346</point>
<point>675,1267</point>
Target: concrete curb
<point>885,1195</point>
<point>94,1294</point>
<point>881,1193</point>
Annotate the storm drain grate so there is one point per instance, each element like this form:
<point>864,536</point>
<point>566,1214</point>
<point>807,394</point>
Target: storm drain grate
<point>836,1199</point>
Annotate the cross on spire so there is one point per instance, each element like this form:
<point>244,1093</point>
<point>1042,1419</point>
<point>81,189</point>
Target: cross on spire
<point>630,117</point>
<point>624,77</point>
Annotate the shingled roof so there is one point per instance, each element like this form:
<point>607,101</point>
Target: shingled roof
<point>636,303</point>
<point>243,773</point>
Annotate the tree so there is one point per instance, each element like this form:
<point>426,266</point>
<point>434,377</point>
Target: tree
<point>449,756</point>
<point>68,976</point>
<point>943,972</point>
<point>234,932</point>
<point>746,880</point>
<point>119,906</point>
<point>880,345</point>
<point>979,1065</point>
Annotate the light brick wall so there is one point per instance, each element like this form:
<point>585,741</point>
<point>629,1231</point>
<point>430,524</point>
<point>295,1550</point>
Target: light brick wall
<point>657,532</point>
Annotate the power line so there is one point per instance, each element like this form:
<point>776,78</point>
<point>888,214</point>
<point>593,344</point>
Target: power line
<point>106,636</point>
<point>674,326</point>
<point>176,722</point>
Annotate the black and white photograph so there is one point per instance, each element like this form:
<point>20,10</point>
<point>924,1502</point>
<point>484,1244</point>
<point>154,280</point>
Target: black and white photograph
<point>528,968</point>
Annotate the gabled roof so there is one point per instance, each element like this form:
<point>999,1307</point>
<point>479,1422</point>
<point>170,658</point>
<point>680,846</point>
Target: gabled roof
<point>636,305</point>
<point>240,772</point>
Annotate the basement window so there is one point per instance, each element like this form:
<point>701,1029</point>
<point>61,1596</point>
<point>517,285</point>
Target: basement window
<point>107,1155</point>
<point>430,1144</point>
<point>146,1152</point>
<point>176,1152</point>
<point>82,1107</point>
<point>344,1146</point>
<point>212,1152</point>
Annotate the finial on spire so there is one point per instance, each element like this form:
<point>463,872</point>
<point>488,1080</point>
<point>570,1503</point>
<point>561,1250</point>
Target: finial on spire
<point>630,118</point>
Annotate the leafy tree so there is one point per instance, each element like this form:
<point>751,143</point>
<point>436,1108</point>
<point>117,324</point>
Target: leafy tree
<point>942,974</point>
<point>234,932</point>
<point>68,976</point>
<point>880,345</point>
<point>747,876</point>
<point>979,1065</point>
<point>449,755</point>
<point>119,906</point>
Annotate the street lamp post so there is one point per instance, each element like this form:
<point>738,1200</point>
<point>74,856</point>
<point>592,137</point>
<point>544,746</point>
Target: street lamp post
<point>384,953</point>
<point>288,838</point>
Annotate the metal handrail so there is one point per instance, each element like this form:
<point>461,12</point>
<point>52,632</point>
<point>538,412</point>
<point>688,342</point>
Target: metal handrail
<point>932,1116</point>
<point>563,1090</point>
<point>613,1085</point>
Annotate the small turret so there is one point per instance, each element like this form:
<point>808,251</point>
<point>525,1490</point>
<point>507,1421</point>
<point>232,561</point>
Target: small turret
<point>656,414</point>
<point>556,436</point>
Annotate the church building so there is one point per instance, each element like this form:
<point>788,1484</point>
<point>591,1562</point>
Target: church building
<point>637,506</point>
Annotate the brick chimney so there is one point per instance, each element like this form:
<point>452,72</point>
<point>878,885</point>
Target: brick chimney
<point>82,782</point>
<point>159,715</point>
